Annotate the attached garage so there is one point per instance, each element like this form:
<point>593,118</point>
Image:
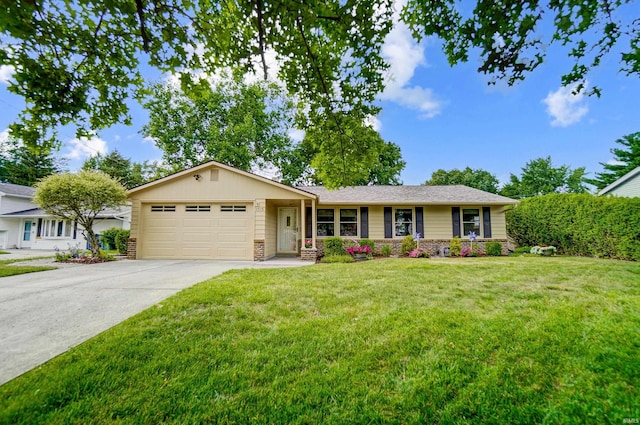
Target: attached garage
<point>197,231</point>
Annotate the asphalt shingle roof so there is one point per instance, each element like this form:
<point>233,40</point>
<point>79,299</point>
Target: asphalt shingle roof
<point>17,190</point>
<point>418,195</point>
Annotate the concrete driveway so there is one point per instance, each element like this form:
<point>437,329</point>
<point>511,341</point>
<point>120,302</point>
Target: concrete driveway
<point>44,314</point>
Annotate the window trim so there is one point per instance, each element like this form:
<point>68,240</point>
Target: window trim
<point>395,222</point>
<point>163,208</point>
<point>233,208</point>
<point>56,228</point>
<point>197,208</point>
<point>332,222</point>
<point>463,231</point>
<point>341,222</point>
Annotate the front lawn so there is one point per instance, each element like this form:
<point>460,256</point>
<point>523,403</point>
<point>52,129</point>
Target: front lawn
<point>8,268</point>
<point>464,341</point>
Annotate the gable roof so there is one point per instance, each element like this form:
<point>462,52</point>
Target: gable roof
<point>427,195</point>
<point>17,190</point>
<point>299,191</point>
<point>630,175</point>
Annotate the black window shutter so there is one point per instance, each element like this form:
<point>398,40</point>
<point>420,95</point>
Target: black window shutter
<point>308,231</point>
<point>75,229</point>
<point>39,227</point>
<point>486,221</point>
<point>455,219</point>
<point>388,225</point>
<point>420,221</point>
<point>364,222</point>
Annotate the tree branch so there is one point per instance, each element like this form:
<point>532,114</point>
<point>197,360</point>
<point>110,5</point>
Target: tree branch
<point>143,27</point>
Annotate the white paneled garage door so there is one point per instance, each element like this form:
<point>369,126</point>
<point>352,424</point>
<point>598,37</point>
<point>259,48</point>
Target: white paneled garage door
<point>197,231</point>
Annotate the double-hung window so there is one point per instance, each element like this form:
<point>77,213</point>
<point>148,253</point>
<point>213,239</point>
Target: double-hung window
<point>403,221</point>
<point>470,221</point>
<point>326,221</point>
<point>349,222</point>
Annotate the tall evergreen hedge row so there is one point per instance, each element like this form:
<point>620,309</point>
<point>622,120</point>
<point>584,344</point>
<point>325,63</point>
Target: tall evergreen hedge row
<point>579,224</point>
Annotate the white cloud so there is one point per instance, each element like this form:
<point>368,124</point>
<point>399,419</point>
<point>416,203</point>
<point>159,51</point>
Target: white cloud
<point>404,56</point>
<point>6,72</point>
<point>4,135</point>
<point>373,122</point>
<point>296,134</point>
<point>565,107</point>
<point>83,148</point>
<point>615,162</point>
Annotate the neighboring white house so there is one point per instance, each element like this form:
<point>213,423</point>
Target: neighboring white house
<point>627,186</point>
<point>24,225</point>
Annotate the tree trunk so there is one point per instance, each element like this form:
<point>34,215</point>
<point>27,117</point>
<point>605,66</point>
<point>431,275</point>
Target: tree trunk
<point>93,241</point>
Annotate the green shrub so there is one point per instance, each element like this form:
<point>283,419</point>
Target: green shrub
<point>333,246</point>
<point>369,243</point>
<point>122,239</point>
<point>579,224</point>
<point>337,259</point>
<point>494,249</point>
<point>522,250</point>
<point>108,237</point>
<point>408,245</point>
<point>105,256</point>
<point>385,251</point>
<point>455,247</point>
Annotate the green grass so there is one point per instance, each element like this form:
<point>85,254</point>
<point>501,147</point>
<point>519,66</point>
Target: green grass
<point>7,267</point>
<point>457,341</point>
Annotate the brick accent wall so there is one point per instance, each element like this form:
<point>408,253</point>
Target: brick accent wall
<point>258,250</point>
<point>308,254</point>
<point>132,245</point>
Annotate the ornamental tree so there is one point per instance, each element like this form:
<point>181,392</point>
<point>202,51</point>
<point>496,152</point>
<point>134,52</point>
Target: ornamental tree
<point>80,197</point>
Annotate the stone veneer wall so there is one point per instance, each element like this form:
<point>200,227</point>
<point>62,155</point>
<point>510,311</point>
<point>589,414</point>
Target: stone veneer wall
<point>258,250</point>
<point>435,247</point>
<point>132,245</point>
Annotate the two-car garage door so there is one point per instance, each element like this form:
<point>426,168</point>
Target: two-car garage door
<point>197,231</point>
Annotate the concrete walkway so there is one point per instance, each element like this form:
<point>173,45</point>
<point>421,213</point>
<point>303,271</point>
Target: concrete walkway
<point>44,314</point>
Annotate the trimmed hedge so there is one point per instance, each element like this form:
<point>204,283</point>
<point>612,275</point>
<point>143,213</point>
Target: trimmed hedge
<point>579,224</point>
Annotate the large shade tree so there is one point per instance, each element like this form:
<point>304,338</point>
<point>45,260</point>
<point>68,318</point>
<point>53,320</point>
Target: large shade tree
<point>26,165</point>
<point>625,158</point>
<point>478,178</point>
<point>129,173</point>
<point>80,197</point>
<point>78,62</point>
<point>245,125</point>
<point>540,177</point>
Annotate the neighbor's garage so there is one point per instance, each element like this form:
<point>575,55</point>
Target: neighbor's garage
<point>197,231</point>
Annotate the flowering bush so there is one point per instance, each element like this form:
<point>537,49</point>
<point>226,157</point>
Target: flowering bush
<point>543,250</point>
<point>353,250</point>
<point>469,252</point>
<point>419,252</point>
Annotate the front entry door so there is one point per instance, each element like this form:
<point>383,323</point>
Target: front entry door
<point>287,230</point>
<point>26,235</point>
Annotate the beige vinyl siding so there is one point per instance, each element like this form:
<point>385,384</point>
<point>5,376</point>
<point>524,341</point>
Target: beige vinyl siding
<point>135,220</point>
<point>376,222</point>
<point>437,222</point>
<point>260,218</point>
<point>498,223</point>
<point>229,186</point>
<point>271,238</point>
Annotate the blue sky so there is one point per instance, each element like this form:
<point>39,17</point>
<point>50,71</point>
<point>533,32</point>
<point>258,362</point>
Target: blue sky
<point>444,117</point>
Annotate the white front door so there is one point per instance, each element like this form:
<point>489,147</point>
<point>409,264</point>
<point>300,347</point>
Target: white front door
<point>28,231</point>
<point>287,230</point>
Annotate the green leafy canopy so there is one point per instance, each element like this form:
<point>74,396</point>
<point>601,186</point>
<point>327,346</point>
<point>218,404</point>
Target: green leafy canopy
<point>78,62</point>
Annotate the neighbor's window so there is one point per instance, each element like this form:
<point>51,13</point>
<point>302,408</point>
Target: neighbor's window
<point>325,222</point>
<point>349,222</point>
<point>56,228</point>
<point>404,221</point>
<point>471,221</point>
